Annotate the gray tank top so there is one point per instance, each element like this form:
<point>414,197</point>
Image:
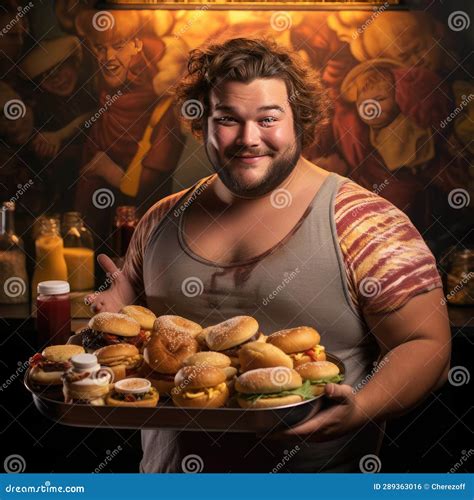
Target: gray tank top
<point>300,281</point>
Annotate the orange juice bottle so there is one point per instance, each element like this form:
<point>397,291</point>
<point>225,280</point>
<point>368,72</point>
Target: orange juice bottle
<point>50,262</point>
<point>78,252</point>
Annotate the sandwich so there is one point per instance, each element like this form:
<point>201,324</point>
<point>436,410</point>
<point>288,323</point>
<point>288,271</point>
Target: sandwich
<point>112,328</point>
<point>144,316</point>
<point>301,344</point>
<point>47,367</point>
<point>257,354</point>
<point>200,386</point>
<point>318,374</point>
<point>133,392</point>
<point>123,359</point>
<point>216,359</point>
<point>271,387</point>
<point>230,335</point>
<point>164,355</point>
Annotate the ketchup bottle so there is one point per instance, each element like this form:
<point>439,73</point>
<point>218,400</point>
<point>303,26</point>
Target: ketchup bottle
<point>53,320</point>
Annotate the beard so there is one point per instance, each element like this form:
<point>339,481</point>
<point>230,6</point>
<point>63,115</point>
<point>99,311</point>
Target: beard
<point>277,171</point>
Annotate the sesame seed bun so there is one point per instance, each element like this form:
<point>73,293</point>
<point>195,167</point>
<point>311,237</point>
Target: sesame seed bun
<point>231,333</point>
<point>115,323</point>
<point>199,376</point>
<point>167,350</point>
<point>268,380</point>
<point>61,353</point>
<point>177,324</point>
<point>211,358</point>
<point>142,315</point>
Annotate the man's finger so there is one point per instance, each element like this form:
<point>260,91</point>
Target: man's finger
<point>338,393</point>
<point>107,264</point>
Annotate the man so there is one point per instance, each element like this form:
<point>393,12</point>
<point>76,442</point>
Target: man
<point>361,274</point>
<point>134,141</point>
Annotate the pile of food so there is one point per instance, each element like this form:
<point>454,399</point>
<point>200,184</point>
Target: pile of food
<point>133,358</point>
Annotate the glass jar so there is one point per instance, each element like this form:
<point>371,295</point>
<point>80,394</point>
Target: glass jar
<point>78,252</point>
<point>53,321</point>
<point>126,221</point>
<point>459,276</point>
<point>13,276</point>
<point>50,261</point>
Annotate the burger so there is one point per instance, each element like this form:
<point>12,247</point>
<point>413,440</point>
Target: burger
<point>200,386</point>
<point>123,359</point>
<point>144,316</point>
<point>216,359</point>
<point>262,355</point>
<point>271,387</point>
<point>318,374</point>
<point>301,344</point>
<point>112,328</point>
<point>230,335</point>
<point>47,367</point>
<point>164,355</point>
<point>133,392</point>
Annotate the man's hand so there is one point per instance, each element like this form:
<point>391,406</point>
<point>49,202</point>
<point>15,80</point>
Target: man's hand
<point>119,292</point>
<point>104,167</point>
<point>344,416</point>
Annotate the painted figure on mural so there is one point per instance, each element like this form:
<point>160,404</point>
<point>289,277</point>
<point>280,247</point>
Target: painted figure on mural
<point>133,140</point>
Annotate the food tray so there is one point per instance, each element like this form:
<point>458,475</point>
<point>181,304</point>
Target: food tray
<point>167,416</point>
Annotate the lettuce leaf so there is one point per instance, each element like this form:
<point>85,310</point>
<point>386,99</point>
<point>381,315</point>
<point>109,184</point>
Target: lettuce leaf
<point>328,380</point>
<point>304,391</point>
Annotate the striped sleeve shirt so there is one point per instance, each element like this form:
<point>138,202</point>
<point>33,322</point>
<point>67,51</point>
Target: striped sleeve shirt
<point>386,260</point>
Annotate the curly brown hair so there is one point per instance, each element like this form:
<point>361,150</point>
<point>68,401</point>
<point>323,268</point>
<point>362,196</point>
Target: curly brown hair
<point>243,60</point>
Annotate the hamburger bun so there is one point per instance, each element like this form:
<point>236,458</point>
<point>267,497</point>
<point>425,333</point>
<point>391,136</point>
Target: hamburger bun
<point>318,370</point>
<point>115,323</point>
<point>211,358</point>
<point>124,359</point>
<point>295,340</point>
<point>167,350</point>
<point>272,381</point>
<point>200,386</point>
<point>231,333</point>
<point>177,324</point>
<point>268,380</point>
<point>262,355</point>
<point>55,354</point>
<point>198,377</point>
<point>142,315</point>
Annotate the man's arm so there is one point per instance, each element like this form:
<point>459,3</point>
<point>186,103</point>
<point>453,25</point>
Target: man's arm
<point>416,341</point>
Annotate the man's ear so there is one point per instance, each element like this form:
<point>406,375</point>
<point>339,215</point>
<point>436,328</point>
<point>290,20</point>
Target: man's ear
<point>138,44</point>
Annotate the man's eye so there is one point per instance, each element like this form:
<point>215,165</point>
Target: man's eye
<point>268,120</point>
<point>225,119</point>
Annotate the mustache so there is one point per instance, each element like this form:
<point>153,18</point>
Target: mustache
<point>233,152</point>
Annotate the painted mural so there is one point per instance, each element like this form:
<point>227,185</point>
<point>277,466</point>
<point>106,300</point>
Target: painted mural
<point>89,122</point>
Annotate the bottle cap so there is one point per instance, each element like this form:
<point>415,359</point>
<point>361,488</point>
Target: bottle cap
<point>53,287</point>
<point>85,362</point>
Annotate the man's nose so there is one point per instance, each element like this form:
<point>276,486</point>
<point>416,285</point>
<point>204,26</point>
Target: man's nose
<point>110,53</point>
<point>249,135</point>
